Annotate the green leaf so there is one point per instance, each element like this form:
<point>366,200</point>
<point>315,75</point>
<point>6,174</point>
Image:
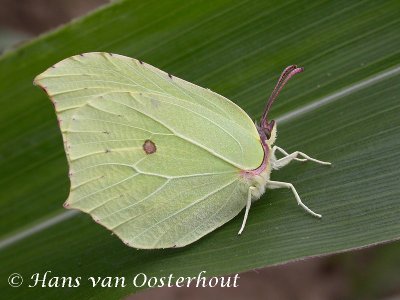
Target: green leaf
<point>344,108</point>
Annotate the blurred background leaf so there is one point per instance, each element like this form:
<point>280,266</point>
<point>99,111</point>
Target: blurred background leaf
<point>344,108</point>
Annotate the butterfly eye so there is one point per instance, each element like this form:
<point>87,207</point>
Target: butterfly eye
<point>267,133</point>
<point>268,129</point>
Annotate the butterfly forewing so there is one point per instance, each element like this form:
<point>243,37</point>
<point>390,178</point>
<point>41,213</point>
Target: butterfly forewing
<point>152,157</point>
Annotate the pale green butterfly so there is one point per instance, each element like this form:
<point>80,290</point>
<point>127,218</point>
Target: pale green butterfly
<point>158,160</point>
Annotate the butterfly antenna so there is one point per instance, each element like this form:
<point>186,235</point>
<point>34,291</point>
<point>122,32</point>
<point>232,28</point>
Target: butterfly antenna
<point>288,73</point>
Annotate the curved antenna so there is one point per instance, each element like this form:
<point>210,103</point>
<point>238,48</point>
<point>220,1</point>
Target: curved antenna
<point>288,73</point>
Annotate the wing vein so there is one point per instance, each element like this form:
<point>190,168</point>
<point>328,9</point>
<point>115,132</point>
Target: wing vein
<point>186,207</point>
<point>190,96</point>
<point>216,124</point>
<point>106,188</point>
<point>201,223</point>
<point>184,137</point>
<point>136,203</point>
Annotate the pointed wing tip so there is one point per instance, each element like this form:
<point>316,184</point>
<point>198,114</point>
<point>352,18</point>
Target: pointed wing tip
<point>36,80</point>
<point>41,76</point>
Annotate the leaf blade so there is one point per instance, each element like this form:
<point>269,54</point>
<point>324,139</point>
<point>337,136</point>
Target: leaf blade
<point>358,133</point>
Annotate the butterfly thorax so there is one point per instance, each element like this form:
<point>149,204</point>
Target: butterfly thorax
<point>257,179</point>
<point>259,183</point>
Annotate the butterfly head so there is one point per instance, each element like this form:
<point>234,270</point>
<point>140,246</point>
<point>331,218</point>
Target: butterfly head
<point>267,129</point>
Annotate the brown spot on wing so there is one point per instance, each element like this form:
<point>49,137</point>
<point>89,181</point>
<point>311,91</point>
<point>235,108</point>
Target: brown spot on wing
<point>149,147</point>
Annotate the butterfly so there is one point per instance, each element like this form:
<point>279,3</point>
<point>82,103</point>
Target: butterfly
<point>157,160</point>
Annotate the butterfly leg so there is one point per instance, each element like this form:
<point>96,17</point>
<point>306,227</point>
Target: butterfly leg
<point>293,156</point>
<point>248,204</point>
<point>280,184</point>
